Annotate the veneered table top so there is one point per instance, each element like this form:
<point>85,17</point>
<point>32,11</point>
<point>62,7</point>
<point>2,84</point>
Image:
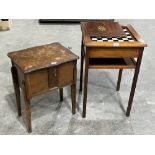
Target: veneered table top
<point>105,28</point>
<point>38,57</point>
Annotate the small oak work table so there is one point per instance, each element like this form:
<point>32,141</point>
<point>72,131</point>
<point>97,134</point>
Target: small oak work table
<point>108,45</point>
<point>39,69</point>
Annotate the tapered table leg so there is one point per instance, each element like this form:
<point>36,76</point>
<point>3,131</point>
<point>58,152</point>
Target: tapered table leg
<point>16,89</point>
<point>61,94</point>
<point>85,86</point>
<point>134,83</point>
<point>73,89</point>
<point>119,79</point>
<point>27,109</point>
<point>73,97</point>
<point>81,68</point>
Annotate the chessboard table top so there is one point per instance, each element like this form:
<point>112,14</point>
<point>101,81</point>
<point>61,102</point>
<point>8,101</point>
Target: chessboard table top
<point>110,34</point>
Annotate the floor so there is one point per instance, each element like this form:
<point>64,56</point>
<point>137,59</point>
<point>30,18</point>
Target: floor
<point>105,108</point>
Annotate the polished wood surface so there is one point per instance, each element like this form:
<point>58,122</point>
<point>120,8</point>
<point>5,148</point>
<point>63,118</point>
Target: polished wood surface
<point>43,76</point>
<point>109,55</point>
<point>106,29</point>
<point>100,52</point>
<point>39,57</point>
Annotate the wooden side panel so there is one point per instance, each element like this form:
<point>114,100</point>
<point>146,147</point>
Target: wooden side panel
<point>37,82</point>
<point>112,53</point>
<point>43,80</point>
<point>65,74</point>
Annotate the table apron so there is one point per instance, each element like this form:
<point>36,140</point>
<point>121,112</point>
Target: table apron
<point>112,52</point>
<point>46,79</point>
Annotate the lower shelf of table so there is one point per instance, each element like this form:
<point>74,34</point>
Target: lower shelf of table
<point>111,63</point>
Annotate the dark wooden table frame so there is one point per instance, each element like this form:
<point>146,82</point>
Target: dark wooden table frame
<point>21,80</point>
<point>40,69</point>
<point>90,49</point>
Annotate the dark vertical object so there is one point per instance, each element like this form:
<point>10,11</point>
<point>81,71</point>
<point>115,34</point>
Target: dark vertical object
<point>119,79</point>
<point>134,83</point>
<point>81,69</point>
<point>27,109</point>
<point>61,94</point>
<point>16,89</point>
<point>73,89</point>
<point>85,84</point>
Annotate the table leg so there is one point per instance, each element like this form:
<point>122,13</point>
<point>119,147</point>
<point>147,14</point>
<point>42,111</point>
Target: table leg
<point>73,97</point>
<point>27,109</point>
<point>85,85</point>
<point>16,89</point>
<point>61,94</point>
<point>81,68</point>
<point>73,89</point>
<point>134,83</point>
<point>119,79</point>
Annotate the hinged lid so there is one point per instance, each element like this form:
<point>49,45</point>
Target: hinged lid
<point>104,29</point>
<point>41,57</point>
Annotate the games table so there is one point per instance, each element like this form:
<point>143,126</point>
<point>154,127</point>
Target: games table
<point>108,45</point>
